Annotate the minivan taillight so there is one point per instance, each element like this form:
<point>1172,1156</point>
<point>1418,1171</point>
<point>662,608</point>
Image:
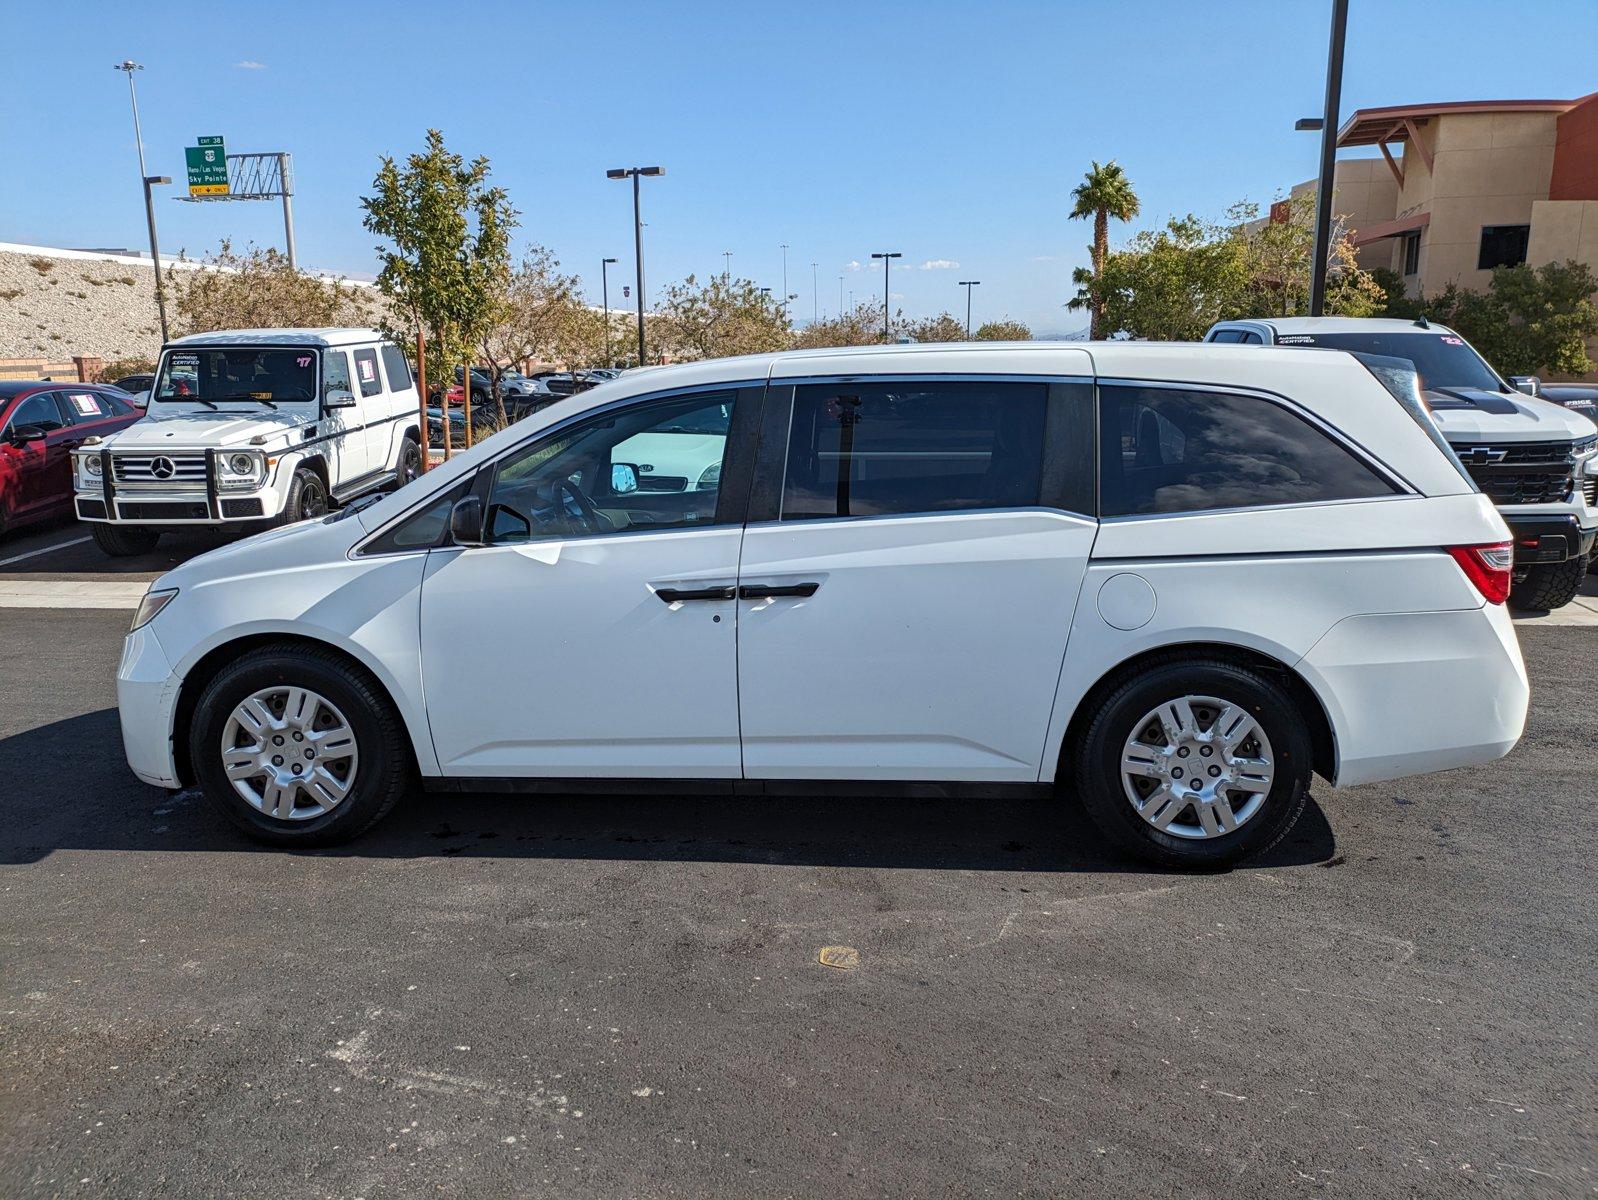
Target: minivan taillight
<point>1488,567</point>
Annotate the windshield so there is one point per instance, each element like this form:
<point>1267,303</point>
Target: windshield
<point>1443,360</point>
<point>256,375</point>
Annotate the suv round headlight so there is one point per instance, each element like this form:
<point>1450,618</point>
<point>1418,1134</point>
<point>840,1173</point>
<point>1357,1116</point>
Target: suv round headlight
<point>91,464</point>
<point>241,464</point>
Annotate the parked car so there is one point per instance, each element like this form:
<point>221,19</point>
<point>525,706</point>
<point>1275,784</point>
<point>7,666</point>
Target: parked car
<point>1581,397</point>
<point>485,417</point>
<point>134,384</point>
<point>511,383</point>
<point>251,428</point>
<point>1166,581</point>
<point>1537,460</point>
<point>40,425</point>
<point>569,383</point>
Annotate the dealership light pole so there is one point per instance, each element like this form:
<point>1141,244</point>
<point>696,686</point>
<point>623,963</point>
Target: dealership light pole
<point>1323,191</point>
<point>815,296</point>
<point>128,66</point>
<point>633,173</point>
<point>726,274</point>
<point>785,279</point>
<point>887,258</point>
<point>604,291</point>
<point>968,284</point>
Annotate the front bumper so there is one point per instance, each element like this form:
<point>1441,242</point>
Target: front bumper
<point>143,504</point>
<point>1546,539</point>
<point>147,695</point>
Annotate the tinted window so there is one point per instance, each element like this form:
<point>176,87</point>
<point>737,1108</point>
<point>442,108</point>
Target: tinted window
<point>396,368</point>
<point>1502,246</point>
<point>863,450</point>
<point>1227,335</point>
<point>1173,450</point>
<point>83,407</point>
<point>263,375</point>
<point>1444,360</point>
<point>366,372</point>
<point>424,528</point>
<point>38,409</point>
<point>653,466</point>
<point>335,373</point>
<point>1251,339</point>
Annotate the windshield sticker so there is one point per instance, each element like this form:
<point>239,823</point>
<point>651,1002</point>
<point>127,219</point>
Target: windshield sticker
<point>87,404</point>
<point>303,360</point>
<point>260,395</point>
<point>1452,341</point>
<point>1295,339</point>
<point>189,361</point>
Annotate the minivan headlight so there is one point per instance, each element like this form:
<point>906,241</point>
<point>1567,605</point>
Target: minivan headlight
<point>152,603</point>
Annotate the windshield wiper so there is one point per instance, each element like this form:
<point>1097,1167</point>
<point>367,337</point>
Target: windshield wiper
<point>247,396</point>
<point>184,400</point>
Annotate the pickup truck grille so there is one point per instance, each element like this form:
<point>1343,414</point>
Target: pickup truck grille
<point>1521,473</point>
<point>144,468</point>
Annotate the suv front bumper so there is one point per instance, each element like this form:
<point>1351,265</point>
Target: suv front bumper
<point>142,504</point>
<point>1549,539</point>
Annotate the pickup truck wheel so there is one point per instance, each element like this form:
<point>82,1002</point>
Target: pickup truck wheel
<point>1549,585</point>
<point>298,747</point>
<point>307,497</point>
<point>123,541</point>
<point>1195,764</point>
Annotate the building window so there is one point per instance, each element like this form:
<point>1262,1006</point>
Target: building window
<point>1412,252</point>
<point>1502,246</point>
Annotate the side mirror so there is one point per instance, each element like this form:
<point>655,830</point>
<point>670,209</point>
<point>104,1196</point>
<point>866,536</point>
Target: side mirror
<point>466,522</point>
<point>623,478</point>
<point>339,398</point>
<point>21,435</point>
<point>1530,384</point>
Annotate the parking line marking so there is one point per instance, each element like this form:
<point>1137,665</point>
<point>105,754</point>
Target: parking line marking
<point>39,593</point>
<point>16,558</point>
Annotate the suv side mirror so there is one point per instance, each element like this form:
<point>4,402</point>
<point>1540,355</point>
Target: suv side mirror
<point>1530,384</point>
<point>466,522</point>
<point>623,478</point>
<point>339,398</point>
<point>21,435</point>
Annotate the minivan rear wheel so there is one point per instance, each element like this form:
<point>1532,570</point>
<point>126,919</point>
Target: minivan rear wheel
<point>1195,764</point>
<point>298,747</point>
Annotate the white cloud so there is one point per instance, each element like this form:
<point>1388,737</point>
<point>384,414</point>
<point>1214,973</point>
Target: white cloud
<point>250,64</point>
<point>1045,258</point>
<point>852,265</point>
<point>940,264</point>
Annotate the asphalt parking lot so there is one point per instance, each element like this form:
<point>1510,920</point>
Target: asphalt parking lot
<point>606,997</point>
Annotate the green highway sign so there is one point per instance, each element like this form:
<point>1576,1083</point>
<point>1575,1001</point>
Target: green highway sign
<point>207,164</point>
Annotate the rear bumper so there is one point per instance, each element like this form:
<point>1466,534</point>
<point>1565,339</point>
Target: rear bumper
<point>147,693</point>
<point>1549,539</point>
<point>1410,693</point>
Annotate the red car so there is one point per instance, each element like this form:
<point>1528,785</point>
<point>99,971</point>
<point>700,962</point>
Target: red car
<point>40,423</point>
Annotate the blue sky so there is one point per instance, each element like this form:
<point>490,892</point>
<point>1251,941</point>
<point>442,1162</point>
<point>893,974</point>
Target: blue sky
<point>952,132</point>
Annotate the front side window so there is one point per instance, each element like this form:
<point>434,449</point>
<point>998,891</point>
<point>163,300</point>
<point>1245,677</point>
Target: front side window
<point>264,375</point>
<point>335,373</point>
<point>38,409</point>
<point>1165,450</point>
<point>877,449</point>
<point>653,466</point>
<point>366,372</point>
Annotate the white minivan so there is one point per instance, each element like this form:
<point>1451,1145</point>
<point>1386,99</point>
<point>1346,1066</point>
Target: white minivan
<point>1167,581</point>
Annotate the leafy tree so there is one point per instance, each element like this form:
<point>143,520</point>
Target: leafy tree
<point>529,319</point>
<point>1167,284</point>
<point>259,290</point>
<point>445,248</point>
<point>1104,192</point>
<point>860,326</point>
<point>944,327</point>
<point>1277,256</point>
<point>121,368</point>
<point>1530,319</point>
<point>719,318</point>
<point>1003,331</point>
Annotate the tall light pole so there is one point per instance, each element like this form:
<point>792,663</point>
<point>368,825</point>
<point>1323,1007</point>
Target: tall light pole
<point>604,290</point>
<point>840,296</point>
<point>1323,191</point>
<point>887,258</point>
<point>968,284</point>
<point>633,173</point>
<point>815,297</point>
<point>726,273</point>
<point>127,67</point>
<point>785,278</point>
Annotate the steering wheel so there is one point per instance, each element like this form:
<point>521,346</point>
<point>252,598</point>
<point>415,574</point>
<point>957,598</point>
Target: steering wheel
<point>585,506</point>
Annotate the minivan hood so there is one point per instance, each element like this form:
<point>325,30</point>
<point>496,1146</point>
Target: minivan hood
<point>1471,415</point>
<point>199,430</point>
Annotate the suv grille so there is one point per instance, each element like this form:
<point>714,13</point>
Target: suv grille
<point>141,468</point>
<point>1524,473</point>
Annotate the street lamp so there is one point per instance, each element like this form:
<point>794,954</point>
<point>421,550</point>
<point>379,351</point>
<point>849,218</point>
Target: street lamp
<point>785,277</point>
<point>887,258</point>
<point>633,173</point>
<point>726,274</point>
<point>968,284</point>
<point>815,298</point>
<point>1323,191</point>
<point>604,289</point>
<point>127,67</point>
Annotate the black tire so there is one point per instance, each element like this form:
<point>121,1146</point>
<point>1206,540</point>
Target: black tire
<point>307,497</point>
<point>410,463</point>
<point>1549,585</point>
<point>383,770</point>
<point>1098,754</point>
<point>123,541</point>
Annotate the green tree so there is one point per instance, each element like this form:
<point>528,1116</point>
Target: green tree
<point>1003,331</point>
<point>445,248</point>
<point>944,327</point>
<point>258,289</point>
<point>1530,319</point>
<point>1278,253</point>
<point>1167,284</point>
<point>860,326</point>
<point>529,321</point>
<point>719,318</point>
<point>1104,192</point>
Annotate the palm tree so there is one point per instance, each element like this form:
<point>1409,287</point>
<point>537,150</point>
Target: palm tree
<point>1104,192</point>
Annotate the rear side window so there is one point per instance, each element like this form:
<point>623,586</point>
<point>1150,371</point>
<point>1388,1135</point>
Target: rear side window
<point>1165,450</point>
<point>82,408</point>
<point>1227,335</point>
<point>396,368</point>
<point>366,372</point>
<point>869,449</point>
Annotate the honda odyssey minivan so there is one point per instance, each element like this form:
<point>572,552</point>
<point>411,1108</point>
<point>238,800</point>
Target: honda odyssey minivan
<point>1166,582</point>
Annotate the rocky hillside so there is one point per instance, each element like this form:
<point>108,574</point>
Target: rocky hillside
<point>57,307</point>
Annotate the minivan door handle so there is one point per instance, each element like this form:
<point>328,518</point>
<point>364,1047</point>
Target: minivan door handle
<point>671,595</point>
<point>763,591</point>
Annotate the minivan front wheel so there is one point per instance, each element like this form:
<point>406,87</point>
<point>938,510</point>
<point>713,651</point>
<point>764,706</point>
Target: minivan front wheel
<point>1196,764</point>
<point>298,747</point>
